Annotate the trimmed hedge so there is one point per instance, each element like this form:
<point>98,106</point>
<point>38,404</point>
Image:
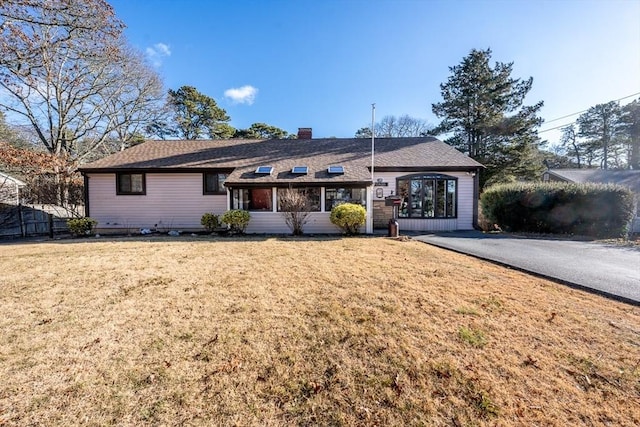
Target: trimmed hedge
<point>349,217</point>
<point>597,210</point>
<point>82,226</point>
<point>236,219</point>
<point>210,221</point>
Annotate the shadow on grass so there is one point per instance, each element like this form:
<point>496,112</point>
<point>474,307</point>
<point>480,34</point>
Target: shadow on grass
<point>185,237</point>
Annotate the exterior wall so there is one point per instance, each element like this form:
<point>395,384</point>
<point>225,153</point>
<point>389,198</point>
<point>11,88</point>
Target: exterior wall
<point>273,222</point>
<point>464,221</point>
<point>173,201</point>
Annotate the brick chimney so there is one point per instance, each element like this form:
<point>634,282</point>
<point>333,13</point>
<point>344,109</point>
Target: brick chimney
<point>304,133</point>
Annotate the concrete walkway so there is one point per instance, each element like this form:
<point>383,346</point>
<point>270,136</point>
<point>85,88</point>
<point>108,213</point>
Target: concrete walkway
<point>608,269</point>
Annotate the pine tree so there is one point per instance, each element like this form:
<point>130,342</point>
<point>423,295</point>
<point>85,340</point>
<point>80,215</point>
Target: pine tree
<point>484,116</point>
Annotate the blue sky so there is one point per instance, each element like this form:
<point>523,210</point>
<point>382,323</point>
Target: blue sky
<point>322,63</point>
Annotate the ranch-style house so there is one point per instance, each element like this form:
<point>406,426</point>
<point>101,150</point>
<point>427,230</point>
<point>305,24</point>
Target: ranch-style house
<point>169,185</point>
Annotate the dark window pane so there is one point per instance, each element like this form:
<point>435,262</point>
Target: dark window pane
<point>336,196</point>
<point>416,197</point>
<point>125,183</point>
<point>312,195</point>
<point>221,178</point>
<point>403,192</point>
<point>451,198</point>
<point>440,198</point>
<point>429,202</point>
<point>211,180</point>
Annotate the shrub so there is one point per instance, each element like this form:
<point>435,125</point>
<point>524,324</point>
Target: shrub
<point>81,226</point>
<point>295,208</point>
<point>349,217</point>
<point>236,219</point>
<point>210,221</point>
<point>597,210</point>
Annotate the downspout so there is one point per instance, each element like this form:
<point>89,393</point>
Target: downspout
<point>476,196</point>
<point>86,194</point>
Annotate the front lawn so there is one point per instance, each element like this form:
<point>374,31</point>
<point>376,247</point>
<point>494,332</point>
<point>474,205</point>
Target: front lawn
<point>282,331</point>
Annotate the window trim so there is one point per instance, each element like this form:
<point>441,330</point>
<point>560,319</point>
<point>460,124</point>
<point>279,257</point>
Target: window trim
<point>220,191</point>
<point>119,191</point>
<point>437,177</point>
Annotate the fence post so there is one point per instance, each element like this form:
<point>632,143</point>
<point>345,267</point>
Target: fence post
<point>50,225</point>
<point>23,232</point>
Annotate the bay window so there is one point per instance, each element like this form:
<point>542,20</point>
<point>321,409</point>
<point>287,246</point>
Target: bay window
<point>427,196</point>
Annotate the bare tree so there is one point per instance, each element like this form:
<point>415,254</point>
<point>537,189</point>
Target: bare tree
<point>295,208</point>
<point>397,127</point>
<point>66,69</point>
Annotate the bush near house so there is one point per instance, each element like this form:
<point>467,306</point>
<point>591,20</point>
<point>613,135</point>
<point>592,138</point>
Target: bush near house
<point>295,208</point>
<point>81,226</point>
<point>210,221</point>
<point>236,219</point>
<point>597,210</point>
<point>349,217</point>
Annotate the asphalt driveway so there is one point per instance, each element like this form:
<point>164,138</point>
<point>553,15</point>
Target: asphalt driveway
<point>608,269</point>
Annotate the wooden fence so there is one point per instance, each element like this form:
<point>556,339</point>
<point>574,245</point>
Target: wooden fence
<point>27,221</point>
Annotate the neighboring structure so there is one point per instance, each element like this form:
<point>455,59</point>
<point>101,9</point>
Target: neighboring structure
<point>167,185</point>
<point>627,178</point>
<point>10,189</point>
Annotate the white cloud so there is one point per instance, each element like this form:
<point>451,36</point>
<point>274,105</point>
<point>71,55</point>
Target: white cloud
<point>157,52</point>
<point>242,95</point>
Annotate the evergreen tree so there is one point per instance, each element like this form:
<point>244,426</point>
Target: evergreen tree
<point>261,131</point>
<point>631,128</point>
<point>196,115</point>
<point>483,112</point>
<point>601,126</point>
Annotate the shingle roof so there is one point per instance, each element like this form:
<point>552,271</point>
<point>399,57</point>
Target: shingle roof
<point>628,178</point>
<point>244,156</point>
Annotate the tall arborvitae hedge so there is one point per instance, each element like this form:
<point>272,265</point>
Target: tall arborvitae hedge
<point>597,210</point>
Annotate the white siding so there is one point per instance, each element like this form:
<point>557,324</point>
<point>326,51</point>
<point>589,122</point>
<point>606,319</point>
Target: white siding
<point>464,221</point>
<point>273,222</point>
<point>173,201</point>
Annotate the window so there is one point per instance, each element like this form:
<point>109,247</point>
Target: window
<point>336,196</point>
<point>252,199</point>
<point>312,195</point>
<point>428,196</point>
<point>213,183</point>
<point>336,169</point>
<point>130,184</point>
<point>264,170</point>
<point>299,170</point>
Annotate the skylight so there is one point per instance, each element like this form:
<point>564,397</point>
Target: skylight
<point>264,170</point>
<point>300,170</point>
<point>337,169</point>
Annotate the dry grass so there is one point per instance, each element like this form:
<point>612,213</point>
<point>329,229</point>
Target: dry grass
<point>268,331</point>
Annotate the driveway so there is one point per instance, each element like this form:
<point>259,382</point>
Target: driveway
<point>608,269</point>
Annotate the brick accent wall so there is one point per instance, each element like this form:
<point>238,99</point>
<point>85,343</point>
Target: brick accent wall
<point>381,214</point>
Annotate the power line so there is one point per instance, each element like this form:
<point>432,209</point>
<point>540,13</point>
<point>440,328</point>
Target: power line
<point>579,112</point>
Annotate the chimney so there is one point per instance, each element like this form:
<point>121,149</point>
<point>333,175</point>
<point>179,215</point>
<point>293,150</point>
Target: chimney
<point>304,133</point>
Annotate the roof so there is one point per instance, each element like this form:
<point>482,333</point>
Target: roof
<point>4,177</point>
<point>244,156</point>
<point>628,178</point>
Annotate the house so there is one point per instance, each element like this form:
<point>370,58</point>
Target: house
<point>167,185</point>
<point>627,178</point>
